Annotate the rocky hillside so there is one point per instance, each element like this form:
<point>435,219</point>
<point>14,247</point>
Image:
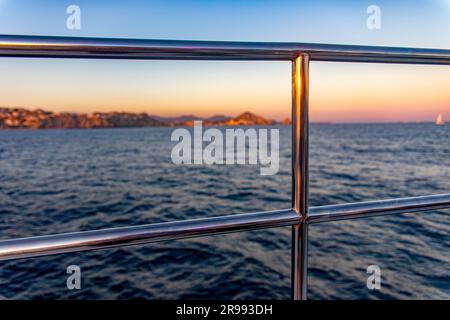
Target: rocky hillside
<point>11,118</point>
<point>244,119</point>
<point>249,119</point>
<point>40,119</point>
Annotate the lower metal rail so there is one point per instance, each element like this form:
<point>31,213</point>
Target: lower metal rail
<point>114,237</point>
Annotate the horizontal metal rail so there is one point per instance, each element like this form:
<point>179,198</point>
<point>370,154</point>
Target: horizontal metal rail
<point>71,47</point>
<point>378,208</point>
<point>114,237</point>
<point>108,238</point>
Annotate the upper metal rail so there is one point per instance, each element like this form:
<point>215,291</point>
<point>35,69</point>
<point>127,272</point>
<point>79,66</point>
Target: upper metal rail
<point>71,47</point>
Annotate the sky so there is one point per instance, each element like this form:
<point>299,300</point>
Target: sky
<point>340,92</point>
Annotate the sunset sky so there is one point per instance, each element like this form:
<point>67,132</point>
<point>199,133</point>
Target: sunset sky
<point>339,92</point>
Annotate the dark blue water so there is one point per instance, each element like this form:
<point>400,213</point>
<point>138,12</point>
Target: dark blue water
<point>57,181</point>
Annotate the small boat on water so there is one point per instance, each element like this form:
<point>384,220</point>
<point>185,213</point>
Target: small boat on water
<point>440,120</point>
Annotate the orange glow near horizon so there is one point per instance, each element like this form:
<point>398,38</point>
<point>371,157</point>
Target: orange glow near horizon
<point>165,88</point>
<point>340,92</point>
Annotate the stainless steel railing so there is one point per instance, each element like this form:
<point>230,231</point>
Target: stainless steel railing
<point>300,216</point>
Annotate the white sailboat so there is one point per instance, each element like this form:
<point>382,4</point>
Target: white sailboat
<point>440,120</point>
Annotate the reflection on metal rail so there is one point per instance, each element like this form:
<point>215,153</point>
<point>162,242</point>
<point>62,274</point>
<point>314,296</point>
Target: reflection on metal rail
<point>300,216</point>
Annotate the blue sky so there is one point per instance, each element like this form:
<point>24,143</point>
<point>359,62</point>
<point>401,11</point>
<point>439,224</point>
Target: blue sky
<point>418,23</point>
<point>339,92</point>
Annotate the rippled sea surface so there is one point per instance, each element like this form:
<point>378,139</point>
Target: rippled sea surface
<point>54,181</point>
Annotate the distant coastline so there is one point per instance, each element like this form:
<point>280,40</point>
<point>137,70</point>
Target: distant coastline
<point>21,118</point>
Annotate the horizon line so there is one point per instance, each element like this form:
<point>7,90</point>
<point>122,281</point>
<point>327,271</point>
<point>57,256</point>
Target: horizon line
<point>226,115</point>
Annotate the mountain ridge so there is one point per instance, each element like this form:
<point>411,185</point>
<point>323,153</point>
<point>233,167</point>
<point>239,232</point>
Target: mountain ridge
<point>21,118</point>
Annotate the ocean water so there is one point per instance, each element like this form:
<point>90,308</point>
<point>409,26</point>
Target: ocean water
<point>54,181</point>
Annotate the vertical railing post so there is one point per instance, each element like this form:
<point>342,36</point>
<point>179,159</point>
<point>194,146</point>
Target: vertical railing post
<point>300,134</point>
